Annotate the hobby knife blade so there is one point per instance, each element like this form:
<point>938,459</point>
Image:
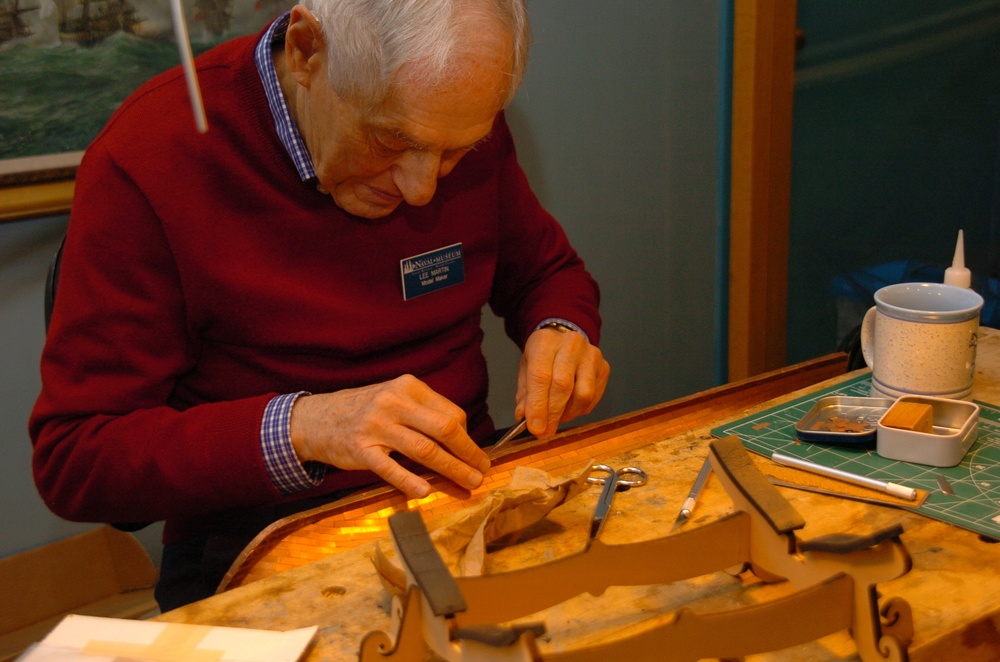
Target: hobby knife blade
<point>945,485</point>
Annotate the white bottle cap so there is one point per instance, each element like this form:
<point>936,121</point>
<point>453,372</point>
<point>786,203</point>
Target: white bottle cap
<point>957,274</point>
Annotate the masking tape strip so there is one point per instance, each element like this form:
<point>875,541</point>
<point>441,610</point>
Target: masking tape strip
<point>177,642</point>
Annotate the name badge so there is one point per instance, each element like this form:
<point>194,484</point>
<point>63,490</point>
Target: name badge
<point>432,271</point>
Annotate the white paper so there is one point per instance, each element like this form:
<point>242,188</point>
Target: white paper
<point>94,639</point>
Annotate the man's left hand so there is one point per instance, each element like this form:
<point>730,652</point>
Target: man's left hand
<point>561,376</point>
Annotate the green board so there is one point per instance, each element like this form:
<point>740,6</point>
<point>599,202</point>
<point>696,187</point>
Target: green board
<point>975,481</point>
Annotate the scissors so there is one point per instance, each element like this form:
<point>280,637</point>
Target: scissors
<point>612,480</point>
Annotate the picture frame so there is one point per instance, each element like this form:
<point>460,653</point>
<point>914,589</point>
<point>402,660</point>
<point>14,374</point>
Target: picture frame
<point>66,65</point>
<point>37,186</point>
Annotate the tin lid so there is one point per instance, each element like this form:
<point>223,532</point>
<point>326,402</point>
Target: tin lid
<point>843,420</point>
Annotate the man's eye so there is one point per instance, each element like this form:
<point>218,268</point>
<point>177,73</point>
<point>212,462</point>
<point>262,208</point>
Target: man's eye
<point>379,146</point>
<point>462,151</point>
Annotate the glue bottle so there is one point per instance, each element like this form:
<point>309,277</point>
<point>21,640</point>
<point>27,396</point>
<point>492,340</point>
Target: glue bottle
<point>957,274</point>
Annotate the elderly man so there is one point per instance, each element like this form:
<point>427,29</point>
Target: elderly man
<point>262,318</point>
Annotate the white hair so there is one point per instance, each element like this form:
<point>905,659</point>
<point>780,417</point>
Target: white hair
<point>369,41</point>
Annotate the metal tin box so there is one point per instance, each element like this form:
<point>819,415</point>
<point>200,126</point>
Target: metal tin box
<point>843,420</point>
<point>955,429</point>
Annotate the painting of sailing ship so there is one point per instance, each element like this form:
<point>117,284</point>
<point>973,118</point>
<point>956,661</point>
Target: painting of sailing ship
<point>215,15</point>
<point>12,24</point>
<point>65,65</point>
<point>90,21</point>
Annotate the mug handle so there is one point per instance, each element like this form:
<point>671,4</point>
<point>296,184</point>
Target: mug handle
<point>868,337</point>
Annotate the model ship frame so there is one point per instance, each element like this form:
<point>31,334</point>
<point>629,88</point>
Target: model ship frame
<point>834,580</point>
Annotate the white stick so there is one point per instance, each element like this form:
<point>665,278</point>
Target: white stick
<point>900,491</point>
<point>187,61</point>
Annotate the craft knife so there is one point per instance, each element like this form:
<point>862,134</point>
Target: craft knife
<point>901,491</point>
<point>688,506</point>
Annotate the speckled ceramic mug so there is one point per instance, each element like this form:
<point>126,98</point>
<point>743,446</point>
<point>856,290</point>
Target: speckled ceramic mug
<point>920,339</point>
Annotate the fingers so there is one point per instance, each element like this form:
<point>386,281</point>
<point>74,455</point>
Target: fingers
<point>407,482</point>
<point>431,453</point>
<point>443,421</point>
<point>589,386</point>
<point>562,376</point>
<point>360,428</point>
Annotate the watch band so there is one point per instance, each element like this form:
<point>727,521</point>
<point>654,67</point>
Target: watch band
<point>558,326</point>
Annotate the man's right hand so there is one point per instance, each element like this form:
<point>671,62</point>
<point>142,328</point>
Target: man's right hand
<point>358,429</point>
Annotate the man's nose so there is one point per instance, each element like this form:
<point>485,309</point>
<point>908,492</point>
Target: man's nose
<point>416,175</point>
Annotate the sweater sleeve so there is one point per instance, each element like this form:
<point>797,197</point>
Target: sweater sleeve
<point>539,275</point>
<point>112,442</point>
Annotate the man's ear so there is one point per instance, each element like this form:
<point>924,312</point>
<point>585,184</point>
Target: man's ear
<point>304,45</point>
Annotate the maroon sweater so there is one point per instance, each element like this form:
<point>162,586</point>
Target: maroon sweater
<point>201,277</point>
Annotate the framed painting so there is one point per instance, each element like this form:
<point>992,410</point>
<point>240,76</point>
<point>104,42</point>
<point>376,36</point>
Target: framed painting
<point>66,65</point>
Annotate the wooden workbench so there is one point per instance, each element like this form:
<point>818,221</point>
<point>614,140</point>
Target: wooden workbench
<point>953,587</point>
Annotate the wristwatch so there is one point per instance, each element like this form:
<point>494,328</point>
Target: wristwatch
<point>558,326</point>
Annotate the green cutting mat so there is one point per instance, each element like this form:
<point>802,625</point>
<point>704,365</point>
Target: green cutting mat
<point>975,481</point>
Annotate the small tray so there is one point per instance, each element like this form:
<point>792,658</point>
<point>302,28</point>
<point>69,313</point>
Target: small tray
<point>956,428</point>
<point>843,420</point>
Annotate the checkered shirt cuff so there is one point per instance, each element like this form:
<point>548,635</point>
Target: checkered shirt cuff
<point>283,466</point>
